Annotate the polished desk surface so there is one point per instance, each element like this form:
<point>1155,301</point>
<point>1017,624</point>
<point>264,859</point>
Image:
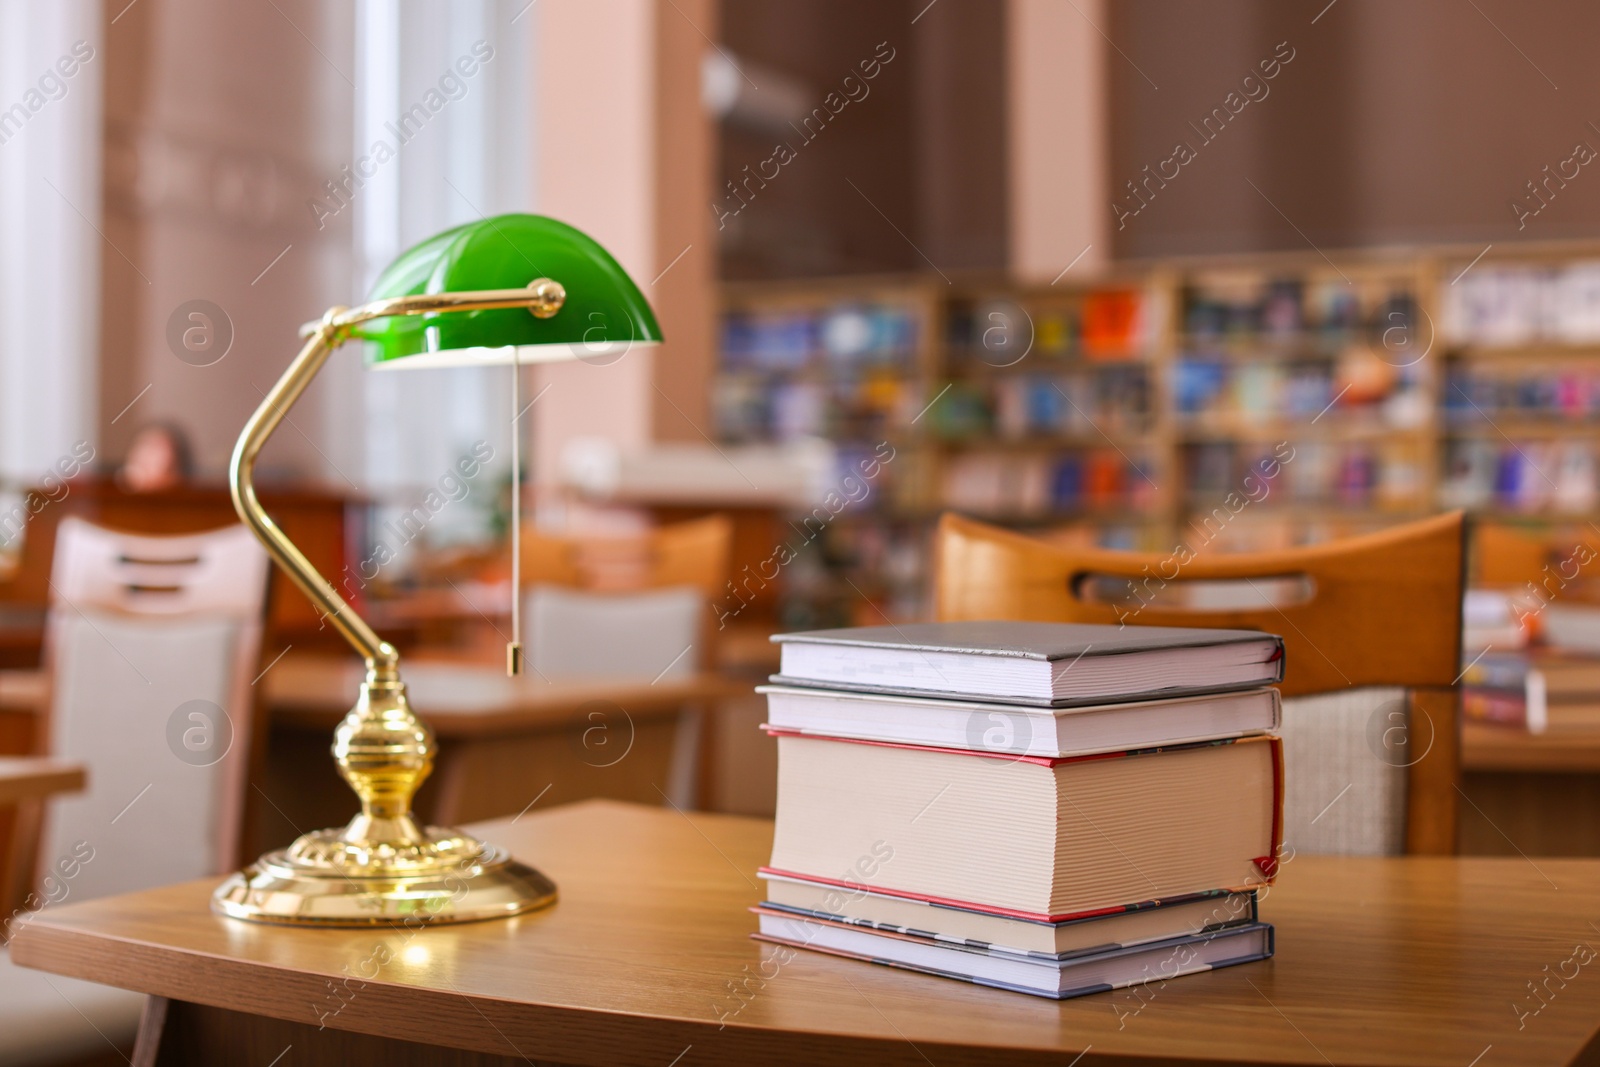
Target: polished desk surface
<point>646,958</point>
<point>315,691</point>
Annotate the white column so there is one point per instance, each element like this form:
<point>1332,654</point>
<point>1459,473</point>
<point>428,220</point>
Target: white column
<point>51,58</point>
<point>596,118</point>
<point>1060,204</point>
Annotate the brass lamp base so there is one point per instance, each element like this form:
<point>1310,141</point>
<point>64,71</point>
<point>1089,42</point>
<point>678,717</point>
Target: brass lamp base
<point>286,887</point>
<point>383,868</point>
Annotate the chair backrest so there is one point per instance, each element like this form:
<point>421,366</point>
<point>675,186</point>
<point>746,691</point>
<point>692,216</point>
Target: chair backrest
<point>1379,613</point>
<point>693,555</point>
<point>638,636</point>
<point>151,646</point>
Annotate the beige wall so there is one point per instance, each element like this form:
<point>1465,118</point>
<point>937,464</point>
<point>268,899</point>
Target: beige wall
<point>221,120</point>
<point>685,241</point>
<point>624,154</point>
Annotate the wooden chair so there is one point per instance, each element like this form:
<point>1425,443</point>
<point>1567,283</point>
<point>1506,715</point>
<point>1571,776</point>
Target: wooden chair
<point>695,554</point>
<point>633,607</point>
<point>1372,630</point>
<point>320,522</point>
<point>150,647</point>
<point>27,781</point>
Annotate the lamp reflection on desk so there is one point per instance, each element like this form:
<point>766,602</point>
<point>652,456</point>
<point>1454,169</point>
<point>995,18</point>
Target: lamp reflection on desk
<point>509,290</point>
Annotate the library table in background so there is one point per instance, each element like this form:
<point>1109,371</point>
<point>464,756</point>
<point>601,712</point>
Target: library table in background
<point>501,740</point>
<point>646,960</point>
<point>1533,794</point>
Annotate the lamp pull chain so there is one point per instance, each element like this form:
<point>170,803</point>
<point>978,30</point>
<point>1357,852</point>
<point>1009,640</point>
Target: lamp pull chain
<point>514,647</point>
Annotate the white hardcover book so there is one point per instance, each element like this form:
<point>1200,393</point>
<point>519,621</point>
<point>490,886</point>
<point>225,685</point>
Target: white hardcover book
<point>1020,729</point>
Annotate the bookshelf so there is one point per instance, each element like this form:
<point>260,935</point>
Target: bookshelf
<point>1127,409</point>
<point>851,361</point>
<point>1522,387</point>
<point>1052,409</point>
<point>1322,373</point>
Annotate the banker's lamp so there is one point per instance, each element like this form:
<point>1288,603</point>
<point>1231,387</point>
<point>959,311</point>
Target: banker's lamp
<point>509,290</point>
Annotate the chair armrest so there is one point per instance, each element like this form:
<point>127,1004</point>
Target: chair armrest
<point>26,691</point>
<point>33,777</point>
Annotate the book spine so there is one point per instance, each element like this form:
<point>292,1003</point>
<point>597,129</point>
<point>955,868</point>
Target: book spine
<point>1268,864</point>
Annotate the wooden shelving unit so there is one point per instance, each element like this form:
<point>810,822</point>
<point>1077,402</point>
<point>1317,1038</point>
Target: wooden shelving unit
<point>1065,383</point>
<point>853,361</point>
<point>1125,410</point>
<point>1318,371</point>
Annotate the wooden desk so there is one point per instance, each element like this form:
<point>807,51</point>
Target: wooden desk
<point>1503,748</point>
<point>314,692</point>
<point>503,742</point>
<point>1538,794</point>
<point>646,960</point>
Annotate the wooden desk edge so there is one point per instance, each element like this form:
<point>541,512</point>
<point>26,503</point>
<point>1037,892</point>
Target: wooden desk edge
<point>571,1035</point>
<point>31,777</point>
<point>1487,748</point>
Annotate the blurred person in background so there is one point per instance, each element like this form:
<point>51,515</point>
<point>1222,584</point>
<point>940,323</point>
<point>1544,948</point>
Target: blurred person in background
<point>158,458</point>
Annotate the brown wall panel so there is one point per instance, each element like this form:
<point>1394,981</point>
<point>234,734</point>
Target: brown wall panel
<point>1394,123</point>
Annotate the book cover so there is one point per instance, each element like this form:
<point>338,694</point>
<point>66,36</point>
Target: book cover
<point>1026,640</point>
<point>1157,962</point>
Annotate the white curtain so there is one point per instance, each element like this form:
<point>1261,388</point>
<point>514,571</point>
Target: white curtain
<point>466,153</point>
<point>51,60</point>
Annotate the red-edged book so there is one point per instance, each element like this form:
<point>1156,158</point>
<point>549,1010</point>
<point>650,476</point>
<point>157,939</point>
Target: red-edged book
<point>1039,838</point>
<point>1091,933</point>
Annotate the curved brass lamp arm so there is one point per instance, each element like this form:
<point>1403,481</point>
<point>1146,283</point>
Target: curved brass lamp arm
<point>381,656</point>
<point>543,297</point>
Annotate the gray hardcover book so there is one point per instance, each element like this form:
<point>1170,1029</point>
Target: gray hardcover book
<point>1047,664</point>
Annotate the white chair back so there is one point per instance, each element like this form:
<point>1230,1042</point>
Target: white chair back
<point>1344,762</point>
<point>647,636</point>
<point>642,635</point>
<point>151,647</point>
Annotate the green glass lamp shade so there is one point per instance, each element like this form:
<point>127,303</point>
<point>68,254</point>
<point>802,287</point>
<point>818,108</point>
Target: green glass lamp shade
<point>604,315</point>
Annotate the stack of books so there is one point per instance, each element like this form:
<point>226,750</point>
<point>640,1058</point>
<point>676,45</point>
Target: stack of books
<point>1050,808</point>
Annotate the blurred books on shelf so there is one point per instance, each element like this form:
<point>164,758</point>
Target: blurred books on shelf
<point>1500,305</point>
<point>1491,619</point>
<point>1537,689</point>
<point>1572,627</point>
<point>1527,477</point>
<point>1041,485</point>
<point>1134,406</point>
